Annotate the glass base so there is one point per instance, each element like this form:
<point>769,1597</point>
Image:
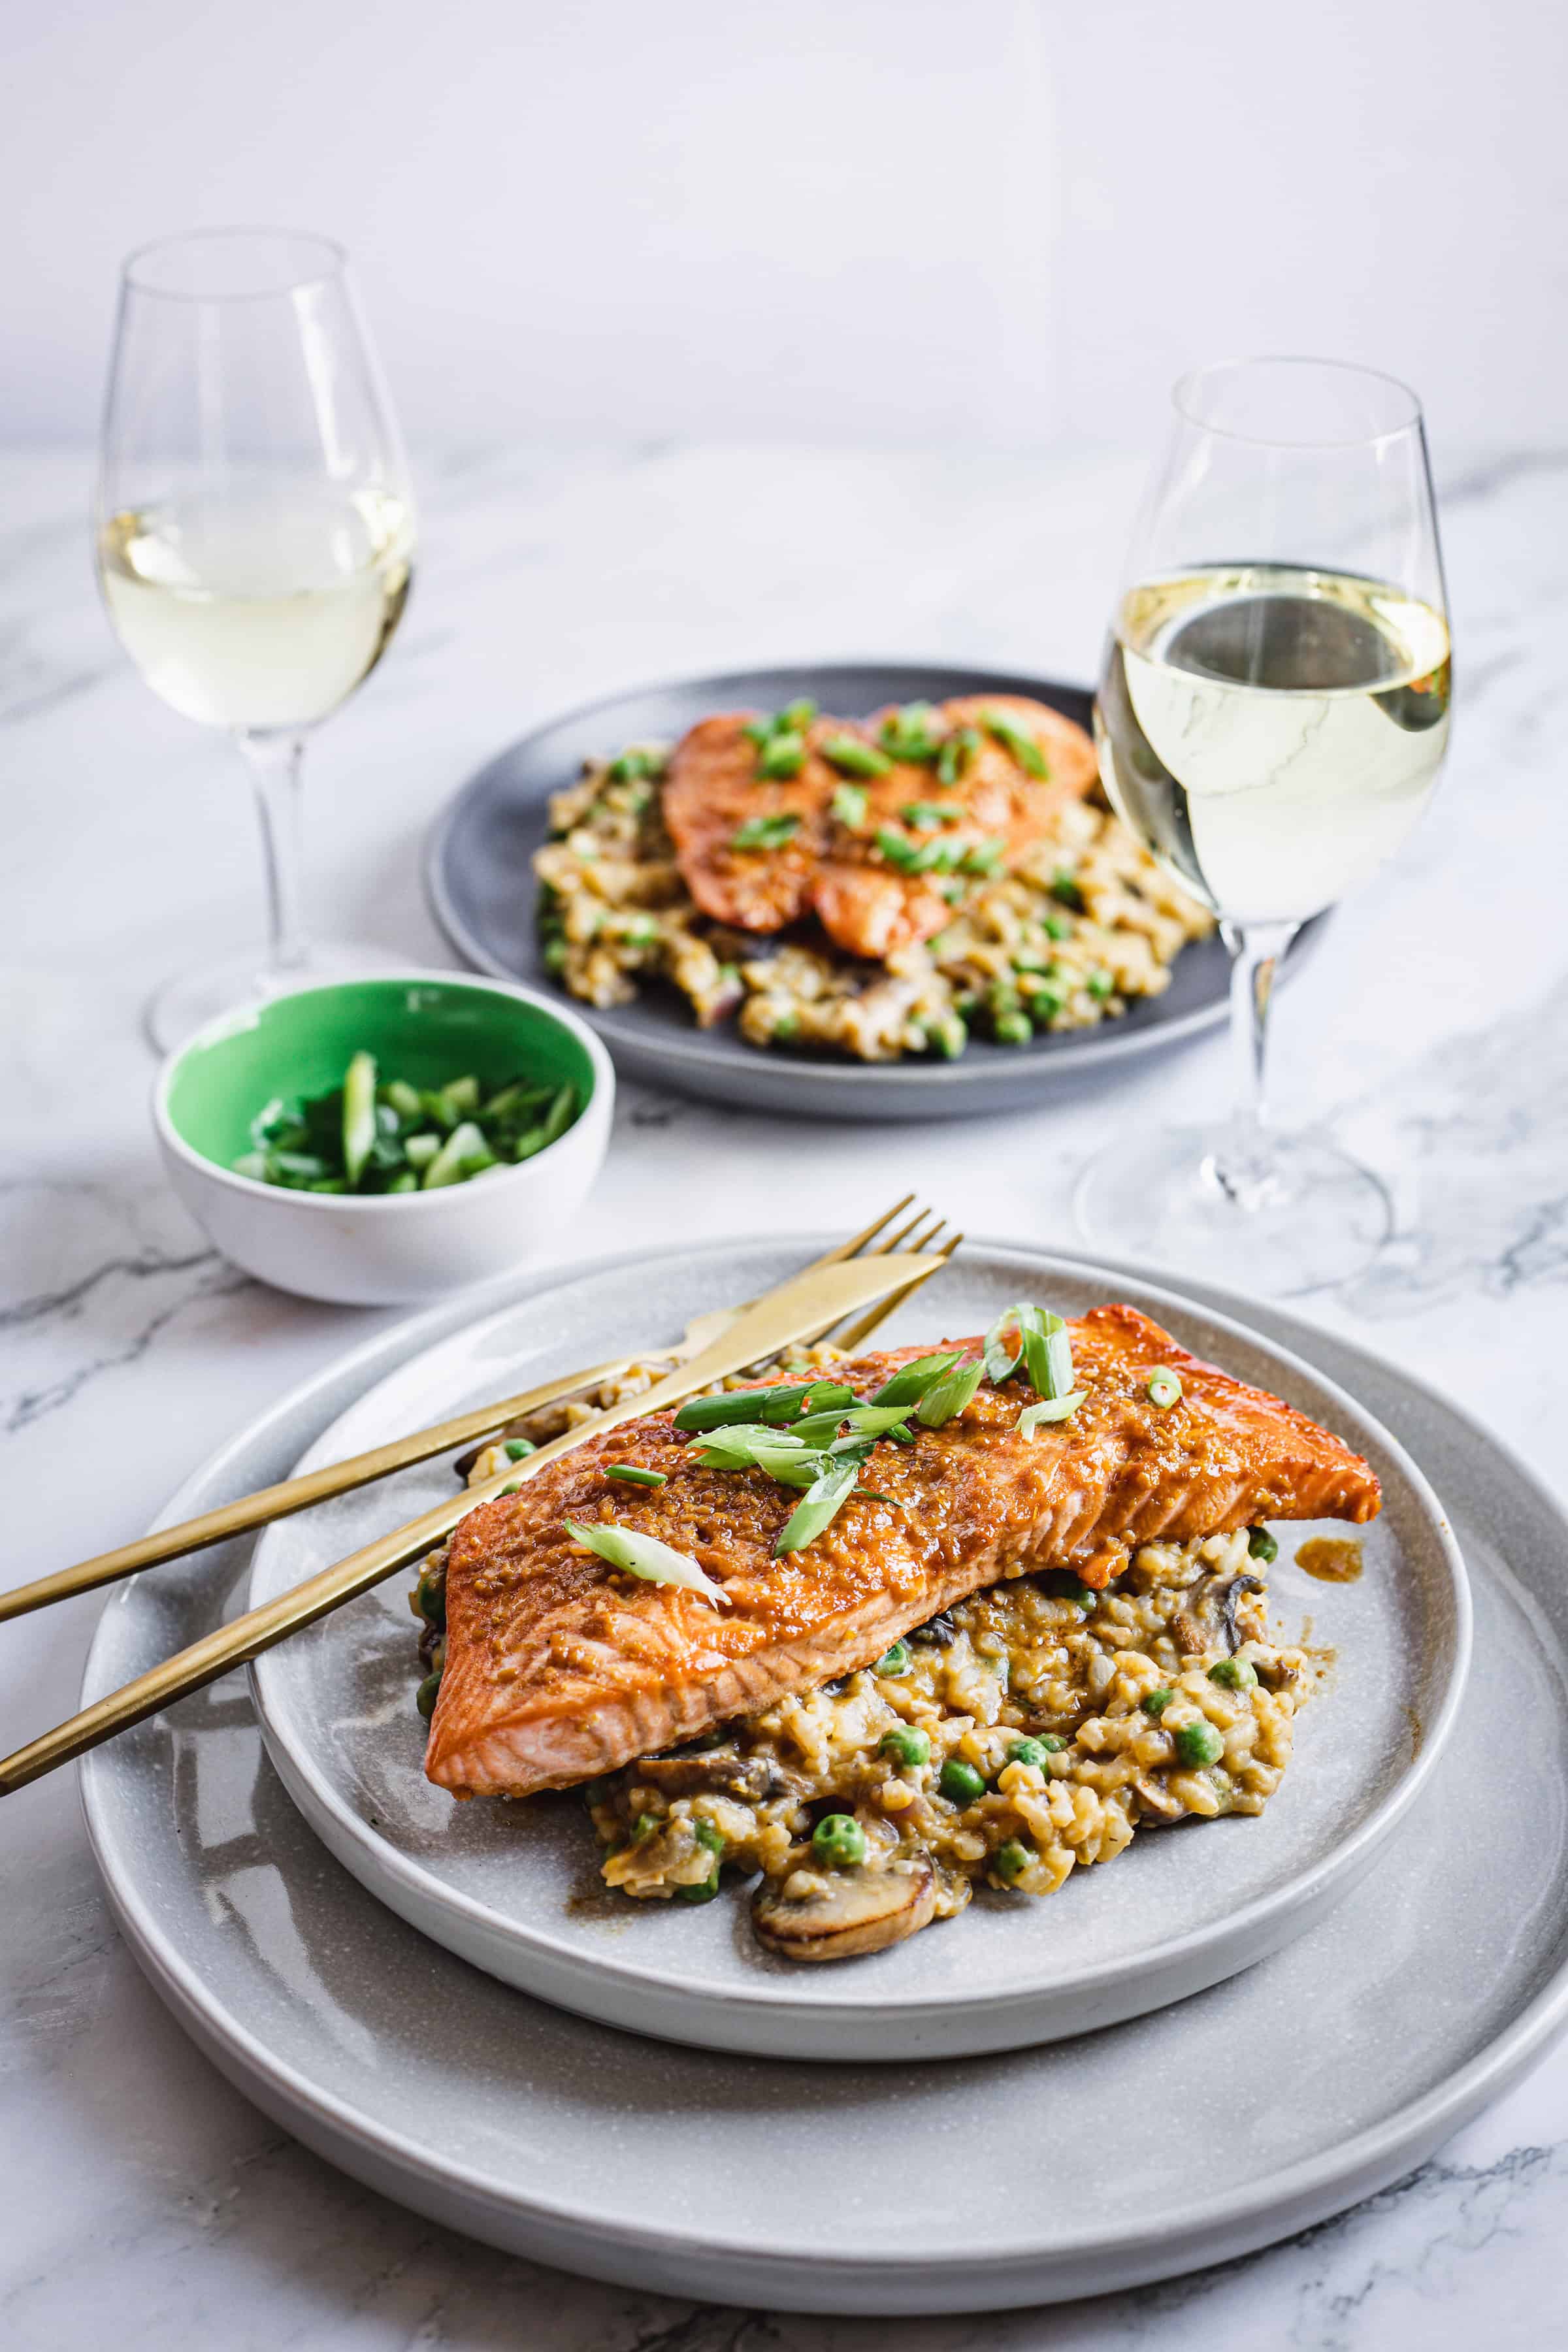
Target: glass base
<point>1316,1218</point>
<point>183,1005</point>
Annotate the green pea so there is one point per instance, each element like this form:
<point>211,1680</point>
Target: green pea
<point>959,1782</point>
<point>1066,891</point>
<point>1261,1545</point>
<point>518,1449</point>
<point>705,1888</point>
<point>947,1036</point>
<point>430,1595</point>
<point>895,1661</point>
<point>1014,1028</point>
<point>642,1828</point>
<point>1198,1743</point>
<point>425,1697</point>
<point>1101,985</point>
<point>1034,1751</point>
<point>1158,1701</point>
<point>838,1838</point>
<point>554,955</point>
<point>786,1025</point>
<point>1057,927</point>
<point>1010,1861</point>
<point>1234,1674</point>
<point>905,1747</point>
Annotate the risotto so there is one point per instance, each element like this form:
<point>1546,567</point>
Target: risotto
<point>1085,924</point>
<point>1034,1727</point>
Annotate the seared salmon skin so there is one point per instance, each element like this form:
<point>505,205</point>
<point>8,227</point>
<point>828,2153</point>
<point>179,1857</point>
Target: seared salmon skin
<point>560,1667</point>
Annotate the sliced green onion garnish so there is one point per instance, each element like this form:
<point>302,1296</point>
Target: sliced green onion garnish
<point>644,1556</point>
<point>907,732</point>
<point>739,1404</point>
<point>862,1421</point>
<point>1049,1409</point>
<point>1164,1388</point>
<point>1004,1354</point>
<point>926,813</point>
<point>852,757</point>
<point>630,1474</point>
<point>766,832</point>
<point>984,858</point>
<point>797,715</point>
<point>1013,739</point>
<point>950,1394</point>
<point>823,1393</point>
<point>817,1507</point>
<point>466,1144</point>
<point>908,1386</point>
<point>1048,1352</point>
<point>848,805</point>
<point>956,754</point>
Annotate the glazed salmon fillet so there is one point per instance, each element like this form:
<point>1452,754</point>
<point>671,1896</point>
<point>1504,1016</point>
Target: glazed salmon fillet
<point>865,904</point>
<point>868,905</point>
<point>560,1667</point>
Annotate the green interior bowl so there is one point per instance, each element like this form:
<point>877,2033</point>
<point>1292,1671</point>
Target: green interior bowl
<point>426,1031</point>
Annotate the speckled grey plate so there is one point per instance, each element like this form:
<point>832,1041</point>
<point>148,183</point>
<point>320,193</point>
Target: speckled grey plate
<point>515,1888</point>
<point>481,882</point>
<point>1186,2138</point>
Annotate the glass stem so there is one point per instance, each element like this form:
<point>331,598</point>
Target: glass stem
<point>275,756</point>
<point>1244,1167</point>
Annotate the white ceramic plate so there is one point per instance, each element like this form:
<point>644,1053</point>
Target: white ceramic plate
<point>515,1888</point>
<point>1189,2136</point>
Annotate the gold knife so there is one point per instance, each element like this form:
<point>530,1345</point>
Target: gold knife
<point>820,1296</point>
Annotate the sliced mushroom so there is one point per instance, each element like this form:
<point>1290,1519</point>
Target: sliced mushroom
<point>722,1772</point>
<point>937,1634</point>
<point>1157,1806</point>
<point>846,1913</point>
<point>1210,1610</point>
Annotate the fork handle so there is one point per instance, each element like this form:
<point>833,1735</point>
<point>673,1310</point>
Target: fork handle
<point>291,1495</point>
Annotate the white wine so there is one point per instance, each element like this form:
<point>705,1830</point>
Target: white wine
<point>1272,733</point>
<point>259,612</point>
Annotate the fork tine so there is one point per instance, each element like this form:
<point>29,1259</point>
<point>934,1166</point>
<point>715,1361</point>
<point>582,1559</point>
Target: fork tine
<point>857,1242</point>
<point>868,1323</point>
<point>900,1240</point>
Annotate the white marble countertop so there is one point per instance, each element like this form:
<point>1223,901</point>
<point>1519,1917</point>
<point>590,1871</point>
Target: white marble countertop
<point>146,2201</point>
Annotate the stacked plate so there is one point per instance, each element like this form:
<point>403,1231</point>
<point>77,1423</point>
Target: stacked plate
<point>1162,2065</point>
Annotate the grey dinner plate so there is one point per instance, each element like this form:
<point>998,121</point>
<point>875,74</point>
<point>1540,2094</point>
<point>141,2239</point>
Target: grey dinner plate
<point>480,878</point>
<point>516,1889</point>
<point>1179,2138</point>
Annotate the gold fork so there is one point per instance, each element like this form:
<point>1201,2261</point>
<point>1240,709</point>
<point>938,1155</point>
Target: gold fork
<point>818,1299</point>
<point>488,1420</point>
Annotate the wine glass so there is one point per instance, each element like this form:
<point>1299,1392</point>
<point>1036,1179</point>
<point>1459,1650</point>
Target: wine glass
<point>254,532</point>
<point>1272,714</point>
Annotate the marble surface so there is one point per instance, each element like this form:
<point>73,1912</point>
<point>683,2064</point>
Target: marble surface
<point>146,2201</point>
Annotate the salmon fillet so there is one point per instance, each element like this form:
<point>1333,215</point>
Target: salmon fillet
<point>865,904</point>
<point>559,1667</point>
<point>868,905</point>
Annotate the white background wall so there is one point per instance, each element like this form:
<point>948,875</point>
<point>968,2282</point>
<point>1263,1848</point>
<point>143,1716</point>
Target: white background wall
<point>897,221</point>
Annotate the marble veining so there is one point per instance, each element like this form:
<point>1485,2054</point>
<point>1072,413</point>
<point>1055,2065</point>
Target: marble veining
<point>148,2202</point>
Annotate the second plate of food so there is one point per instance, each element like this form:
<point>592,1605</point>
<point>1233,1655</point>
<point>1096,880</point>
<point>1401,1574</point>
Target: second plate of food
<point>1364,1670</point>
<point>915,794</point>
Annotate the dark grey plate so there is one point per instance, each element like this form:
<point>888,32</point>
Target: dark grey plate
<point>480,881</point>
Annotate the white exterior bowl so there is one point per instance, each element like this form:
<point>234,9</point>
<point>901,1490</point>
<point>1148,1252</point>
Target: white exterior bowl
<point>391,1249</point>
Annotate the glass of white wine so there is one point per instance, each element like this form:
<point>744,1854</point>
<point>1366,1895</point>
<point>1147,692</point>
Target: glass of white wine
<point>255,536</point>
<point>1271,718</point>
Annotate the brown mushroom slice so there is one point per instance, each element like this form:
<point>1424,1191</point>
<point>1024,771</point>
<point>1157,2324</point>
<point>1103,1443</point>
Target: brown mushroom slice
<point>1157,1807</point>
<point>722,1772</point>
<point>850,1913</point>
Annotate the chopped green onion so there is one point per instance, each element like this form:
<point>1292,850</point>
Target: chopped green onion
<point>766,832</point>
<point>403,1097</point>
<point>1049,1409</point>
<point>739,1404</point>
<point>630,1474</point>
<point>1164,1388</point>
<point>861,1421</point>
<point>984,858</point>
<point>797,715</point>
<point>822,1393</point>
<point>956,754</point>
<point>420,1150</point>
<point>908,1386</point>
<point>782,757</point>
<point>848,805</point>
<point>1002,1360</point>
<point>852,757</point>
<point>450,1164</point>
<point>929,813</point>
<point>947,1396</point>
<point>907,732</point>
<point>1013,739</point>
<point>1048,1352</point>
<point>644,1556</point>
<point>633,765</point>
<point>817,1507</point>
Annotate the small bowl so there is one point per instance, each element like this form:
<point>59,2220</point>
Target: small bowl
<point>386,1249</point>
